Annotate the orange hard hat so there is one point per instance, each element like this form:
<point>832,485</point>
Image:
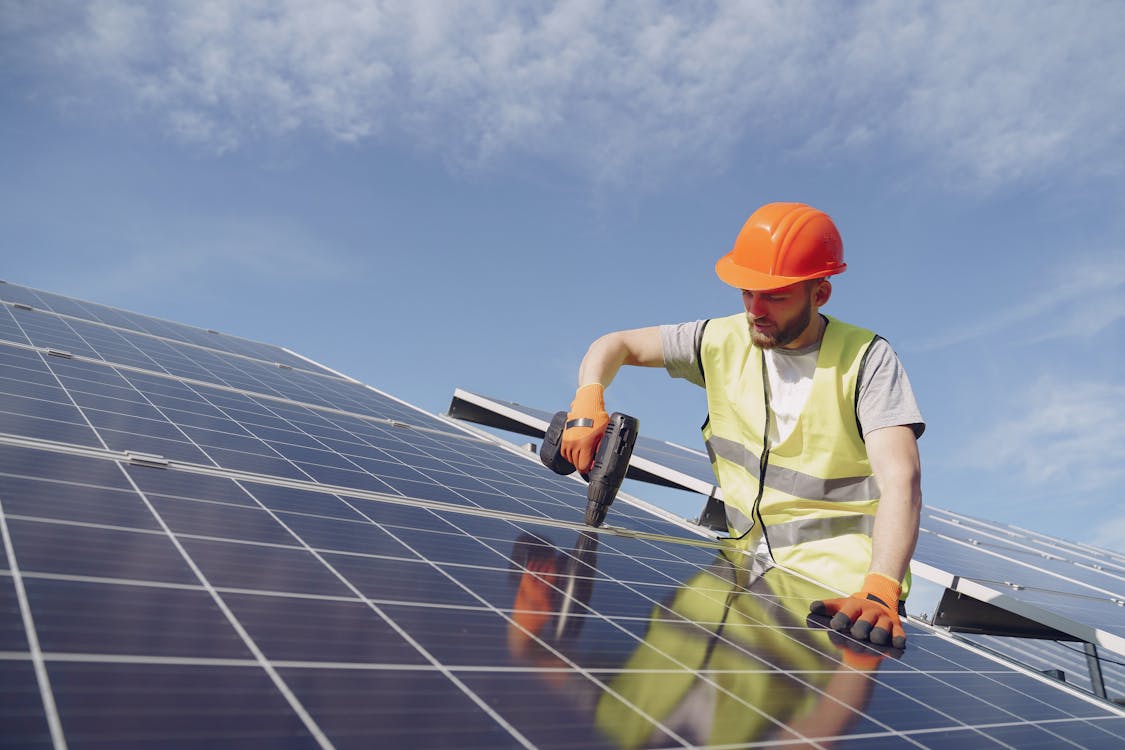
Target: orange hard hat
<point>781,244</point>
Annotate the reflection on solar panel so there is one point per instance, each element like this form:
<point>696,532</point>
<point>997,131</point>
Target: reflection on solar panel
<point>1000,579</point>
<point>208,542</point>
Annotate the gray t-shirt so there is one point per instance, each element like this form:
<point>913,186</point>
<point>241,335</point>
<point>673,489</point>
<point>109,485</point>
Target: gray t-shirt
<point>885,396</point>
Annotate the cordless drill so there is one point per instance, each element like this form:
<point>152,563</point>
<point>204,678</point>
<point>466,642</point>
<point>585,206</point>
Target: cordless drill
<point>610,461</point>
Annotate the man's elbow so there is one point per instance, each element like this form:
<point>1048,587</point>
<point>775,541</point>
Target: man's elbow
<point>905,489</point>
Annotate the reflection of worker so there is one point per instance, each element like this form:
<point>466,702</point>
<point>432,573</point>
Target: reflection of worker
<point>726,659</point>
<point>812,424</point>
<point>753,672</point>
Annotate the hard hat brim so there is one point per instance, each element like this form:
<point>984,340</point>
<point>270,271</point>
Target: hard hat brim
<point>741,277</point>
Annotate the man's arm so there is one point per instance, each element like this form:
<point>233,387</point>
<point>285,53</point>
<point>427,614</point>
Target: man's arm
<point>872,612</point>
<point>639,346</point>
<point>893,452</point>
<point>587,419</point>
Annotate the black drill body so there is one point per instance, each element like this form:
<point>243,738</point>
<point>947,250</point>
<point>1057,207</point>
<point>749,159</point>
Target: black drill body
<point>611,461</point>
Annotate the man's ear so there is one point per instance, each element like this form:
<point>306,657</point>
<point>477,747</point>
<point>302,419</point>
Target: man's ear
<point>822,293</point>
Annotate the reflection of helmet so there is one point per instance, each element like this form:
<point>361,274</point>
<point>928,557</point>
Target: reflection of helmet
<point>781,244</point>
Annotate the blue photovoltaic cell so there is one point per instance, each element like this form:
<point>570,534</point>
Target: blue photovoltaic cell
<point>23,721</point>
<point>96,617</point>
<point>171,705</point>
<point>12,637</point>
<point>443,593</point>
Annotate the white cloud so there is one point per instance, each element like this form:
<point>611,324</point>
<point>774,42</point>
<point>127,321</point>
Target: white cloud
<point>1109,534</point>
<point>248,251</point>
<point>1079,300</point>
<point>989,93</point>
<point>1057,432</point>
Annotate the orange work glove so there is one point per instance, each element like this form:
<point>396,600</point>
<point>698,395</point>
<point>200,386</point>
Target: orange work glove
<point>871,613</point>
<point>585,426</point>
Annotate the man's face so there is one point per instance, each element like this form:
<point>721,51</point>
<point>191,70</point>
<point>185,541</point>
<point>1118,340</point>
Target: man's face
<point>777,317</point>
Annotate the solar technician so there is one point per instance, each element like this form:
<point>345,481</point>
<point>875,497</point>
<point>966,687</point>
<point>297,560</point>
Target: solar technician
<point>820,410</point>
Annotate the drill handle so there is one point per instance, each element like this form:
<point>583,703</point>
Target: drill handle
<point>550,452</point>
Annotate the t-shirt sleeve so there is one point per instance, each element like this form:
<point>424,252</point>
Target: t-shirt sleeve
<point>885,397</point>
<point>680,343</point>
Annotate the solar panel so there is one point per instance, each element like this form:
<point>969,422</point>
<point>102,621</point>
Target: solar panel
<point>193,562</point>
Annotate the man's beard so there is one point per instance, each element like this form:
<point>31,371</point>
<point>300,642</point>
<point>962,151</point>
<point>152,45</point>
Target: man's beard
<point>781,336</point>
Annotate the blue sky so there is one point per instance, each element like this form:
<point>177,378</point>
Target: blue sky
<point>433,195</point>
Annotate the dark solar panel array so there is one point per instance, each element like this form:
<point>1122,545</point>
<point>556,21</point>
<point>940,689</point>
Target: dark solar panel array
<point>188,565</point>
<point>75,311</point>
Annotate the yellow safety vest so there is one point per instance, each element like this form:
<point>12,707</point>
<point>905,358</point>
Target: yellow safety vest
<point>816,505</point>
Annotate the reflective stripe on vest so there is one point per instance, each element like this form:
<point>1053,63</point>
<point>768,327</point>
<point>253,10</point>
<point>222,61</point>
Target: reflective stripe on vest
<point>793,482</point>
<point>816,529</point>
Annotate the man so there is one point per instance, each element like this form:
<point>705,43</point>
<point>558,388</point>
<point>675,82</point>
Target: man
<point>812,425</point>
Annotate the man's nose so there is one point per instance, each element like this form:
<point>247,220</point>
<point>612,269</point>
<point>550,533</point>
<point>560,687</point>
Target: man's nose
<point>755,306</point>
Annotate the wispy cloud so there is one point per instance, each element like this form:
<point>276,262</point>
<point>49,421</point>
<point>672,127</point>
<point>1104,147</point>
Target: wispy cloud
<point>988,94</point>
<point>1109,534</point>
<point>1078,301</point>
<point>1062,432</point>
<point>249,251</point>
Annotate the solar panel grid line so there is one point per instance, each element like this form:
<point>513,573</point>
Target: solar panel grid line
<point>402,633</point>
<point>304,716</point>
<point>460,435</point>
<point>593,675</point>
<point>917,736</point>
<point>210,338</point>
<point>289,696</point>
<point>43,681</point>
<point>1018,720</point>
<point>1065,577</point>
